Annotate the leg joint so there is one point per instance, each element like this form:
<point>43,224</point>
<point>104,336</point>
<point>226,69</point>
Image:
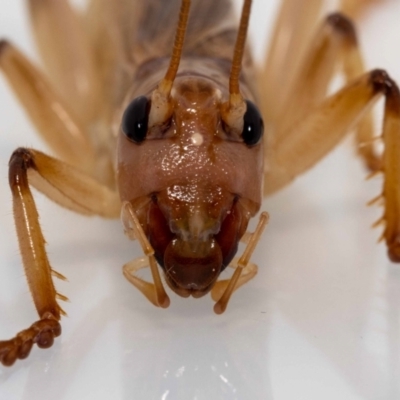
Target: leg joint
<point>3,45</point>
<point>343,26</point>
<point>383,83</point>
<point>21,160</point>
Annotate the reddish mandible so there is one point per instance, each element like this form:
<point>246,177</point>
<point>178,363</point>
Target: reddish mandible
<point>174,144</point>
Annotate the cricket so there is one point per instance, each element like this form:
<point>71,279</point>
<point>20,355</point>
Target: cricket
<point>157,114</point>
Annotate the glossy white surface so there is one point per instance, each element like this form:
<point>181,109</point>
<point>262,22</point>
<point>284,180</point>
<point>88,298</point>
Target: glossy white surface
<point>320,321</point>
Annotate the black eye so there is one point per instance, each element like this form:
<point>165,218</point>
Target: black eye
<point>253,127</point>
<point>136,118</point>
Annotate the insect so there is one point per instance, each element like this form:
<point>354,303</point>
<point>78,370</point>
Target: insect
<point>175,144</point>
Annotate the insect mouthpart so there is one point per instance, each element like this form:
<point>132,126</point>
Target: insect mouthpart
<point>194,247</point>
<point>192,267</point>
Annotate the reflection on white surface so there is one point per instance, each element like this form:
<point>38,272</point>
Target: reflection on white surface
<point>320,321</point>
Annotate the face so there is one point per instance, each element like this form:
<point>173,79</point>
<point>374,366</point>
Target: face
<point>198,183</point>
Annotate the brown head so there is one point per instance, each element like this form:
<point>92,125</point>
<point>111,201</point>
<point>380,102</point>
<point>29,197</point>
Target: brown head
<point>190,161</point>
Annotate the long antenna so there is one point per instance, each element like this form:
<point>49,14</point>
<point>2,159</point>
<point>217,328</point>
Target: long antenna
<point>233,110</point>
<point>165,85</point>
<point>161,103</point>
<point>234,90</point>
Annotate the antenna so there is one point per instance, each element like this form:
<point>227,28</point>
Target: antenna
<point>233,110</point>
<point>161,104</point>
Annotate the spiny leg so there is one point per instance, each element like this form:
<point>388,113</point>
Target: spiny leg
<point>71,189</point>
<point>334,45</point>
<point>244,271</point>
<point>66,52</point>
<point>391,171</point>
<point>310,139</point>
<point>55,122</point>
<point>318,133</point>
<point>155,293</point>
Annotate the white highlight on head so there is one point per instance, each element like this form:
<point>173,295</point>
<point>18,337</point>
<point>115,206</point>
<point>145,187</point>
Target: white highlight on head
<point>197,139</point>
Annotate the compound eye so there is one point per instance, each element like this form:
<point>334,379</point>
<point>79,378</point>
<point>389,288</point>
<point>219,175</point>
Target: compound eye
<point>136,118</point>
<point>253,127</point>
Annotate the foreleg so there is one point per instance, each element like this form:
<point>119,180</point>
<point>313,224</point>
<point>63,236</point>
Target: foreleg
<point>70,188</point>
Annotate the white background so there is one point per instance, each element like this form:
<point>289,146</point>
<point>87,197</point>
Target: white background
<point>320,321</point>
